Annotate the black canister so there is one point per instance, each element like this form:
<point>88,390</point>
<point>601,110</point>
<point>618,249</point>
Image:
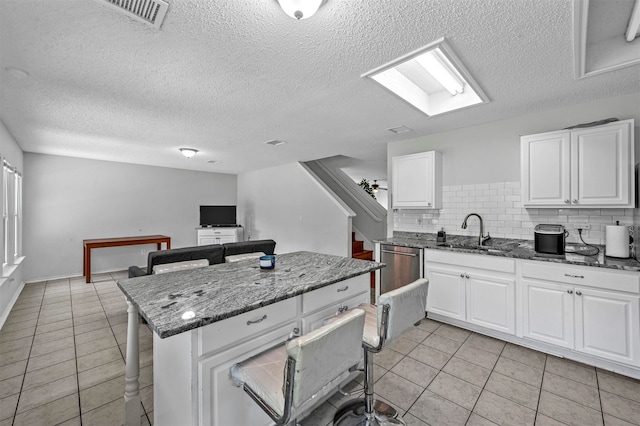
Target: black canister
<point>549,239</point>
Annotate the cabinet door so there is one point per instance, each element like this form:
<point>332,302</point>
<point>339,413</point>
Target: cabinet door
<point>413,183</point>
<point>205,241</point>
<point>608,325</point>
<point>548,312</point>
<point>491,302</point>
<point>221,402</point>
<point>446,292</point>
<point>545,169</point>
<point>601,172</point>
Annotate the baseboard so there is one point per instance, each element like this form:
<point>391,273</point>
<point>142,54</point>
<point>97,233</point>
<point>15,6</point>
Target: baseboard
<point>7,311</point>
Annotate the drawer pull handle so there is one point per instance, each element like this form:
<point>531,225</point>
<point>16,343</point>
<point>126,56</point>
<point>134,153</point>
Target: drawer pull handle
<point>257,321</point>
<point>346,287</point>
<point>570,291</point>
<point>574,276</point>
<point>579,293</point>
<point>467,276</point>
<point>461,275</point>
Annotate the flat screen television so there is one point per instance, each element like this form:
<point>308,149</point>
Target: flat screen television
<point>218,216</point>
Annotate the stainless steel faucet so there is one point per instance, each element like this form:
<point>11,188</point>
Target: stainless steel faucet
<point>481,237</point>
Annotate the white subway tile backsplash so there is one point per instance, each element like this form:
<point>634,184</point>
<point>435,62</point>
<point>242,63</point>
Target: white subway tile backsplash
<point>500,206</point>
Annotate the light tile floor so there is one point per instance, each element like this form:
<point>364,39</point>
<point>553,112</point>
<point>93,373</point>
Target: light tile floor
<point>62,362</point>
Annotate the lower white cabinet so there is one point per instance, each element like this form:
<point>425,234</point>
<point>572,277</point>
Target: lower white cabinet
<point>595,321</point>
<point>223,403</point>
<point>192,383</point>
<point>482,292</point>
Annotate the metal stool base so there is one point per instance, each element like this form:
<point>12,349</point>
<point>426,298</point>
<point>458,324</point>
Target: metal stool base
<point>353,414</point>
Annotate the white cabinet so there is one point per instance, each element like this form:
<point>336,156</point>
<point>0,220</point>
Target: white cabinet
<point>481,292</point>
<point>585,167</point>
<point>223,403</point>
<point>326,302</point>
<point>192,383</point>
<point>593,312</point>
<point>219,235</point>
<point>417,181</point>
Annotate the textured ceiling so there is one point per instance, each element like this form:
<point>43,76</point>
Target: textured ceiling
<point>225,76</point>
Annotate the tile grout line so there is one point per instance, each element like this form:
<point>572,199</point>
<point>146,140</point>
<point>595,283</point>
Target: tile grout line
<point>544,369</point>
<point>24,376</point>
<point>75,352</point>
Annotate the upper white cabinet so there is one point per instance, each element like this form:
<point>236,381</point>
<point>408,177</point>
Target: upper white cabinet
<point>585,167</point>
<point>417,181</point>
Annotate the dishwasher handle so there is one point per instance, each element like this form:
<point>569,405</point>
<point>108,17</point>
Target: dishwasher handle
<point>399,252</point>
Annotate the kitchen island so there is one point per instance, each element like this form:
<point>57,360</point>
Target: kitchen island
<point>205,320</point>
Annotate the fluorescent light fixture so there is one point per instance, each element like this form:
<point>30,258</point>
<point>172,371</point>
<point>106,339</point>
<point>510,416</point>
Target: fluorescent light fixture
<point>634,23</point>
<point>300,9</point>
<point>435,64</point>
<point>432,79</point>
<point>188,152</point>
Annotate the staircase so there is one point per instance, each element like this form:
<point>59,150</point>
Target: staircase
<point>358,252</point>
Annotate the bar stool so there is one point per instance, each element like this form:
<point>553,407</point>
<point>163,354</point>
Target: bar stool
<point>395,313</point>
<point>313,364</point>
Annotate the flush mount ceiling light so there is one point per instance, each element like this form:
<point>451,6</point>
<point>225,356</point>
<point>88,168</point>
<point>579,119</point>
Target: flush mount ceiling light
<point>188,152</point>
<point>274,142</point>
<point>431,79</point>
<point>300,9</point>
<point>400,129</point>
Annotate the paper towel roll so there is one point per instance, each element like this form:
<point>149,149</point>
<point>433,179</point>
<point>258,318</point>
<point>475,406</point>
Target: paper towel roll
<point>617,241</point>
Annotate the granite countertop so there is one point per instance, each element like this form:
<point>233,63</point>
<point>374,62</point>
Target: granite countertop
<point>576,254</point>
<point>217,292</point>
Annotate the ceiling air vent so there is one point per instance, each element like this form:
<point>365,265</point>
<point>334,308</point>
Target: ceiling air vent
<point>151,12</point>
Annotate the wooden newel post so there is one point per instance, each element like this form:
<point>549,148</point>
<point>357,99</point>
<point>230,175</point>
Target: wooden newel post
<point>132,370</point>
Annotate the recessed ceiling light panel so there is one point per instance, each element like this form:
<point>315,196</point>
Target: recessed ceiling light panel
<point>431,79</point>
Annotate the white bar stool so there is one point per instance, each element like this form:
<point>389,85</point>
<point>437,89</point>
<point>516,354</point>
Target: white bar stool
<point>313,365</point>
<point>395,313</point>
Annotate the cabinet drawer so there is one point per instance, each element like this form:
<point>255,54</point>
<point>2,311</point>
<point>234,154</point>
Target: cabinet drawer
<point>217,232</point>
<point>479,261</point>
<point>235,329</point>
<point>330,294</point>
<point>585,276</point>
<point>317,319</point>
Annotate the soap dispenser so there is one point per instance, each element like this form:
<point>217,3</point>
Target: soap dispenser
<point>442,236</point>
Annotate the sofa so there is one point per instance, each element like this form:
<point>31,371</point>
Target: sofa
<point>213,253</point>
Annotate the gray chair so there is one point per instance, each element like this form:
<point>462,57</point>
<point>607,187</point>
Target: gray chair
<point>397,311</point>
<point>291,378</point>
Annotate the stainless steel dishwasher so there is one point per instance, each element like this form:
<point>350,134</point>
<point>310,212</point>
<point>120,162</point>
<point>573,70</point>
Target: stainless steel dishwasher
<point>403,266</point>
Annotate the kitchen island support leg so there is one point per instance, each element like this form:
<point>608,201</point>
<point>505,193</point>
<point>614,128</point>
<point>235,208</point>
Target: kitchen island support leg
<point>132,370</point>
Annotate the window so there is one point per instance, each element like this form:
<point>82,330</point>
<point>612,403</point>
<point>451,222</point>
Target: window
<point>11,215</point>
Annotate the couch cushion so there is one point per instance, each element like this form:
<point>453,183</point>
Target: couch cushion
<point>179,266</point>
<point>244,256</point>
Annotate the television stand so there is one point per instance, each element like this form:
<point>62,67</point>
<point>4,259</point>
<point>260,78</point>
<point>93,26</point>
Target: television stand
<point>219,235</point>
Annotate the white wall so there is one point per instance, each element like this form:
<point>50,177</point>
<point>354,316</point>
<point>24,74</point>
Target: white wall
<point>286,204</point>
<point>490,153</point>
<point>12,281</point>
<point>67,200</point>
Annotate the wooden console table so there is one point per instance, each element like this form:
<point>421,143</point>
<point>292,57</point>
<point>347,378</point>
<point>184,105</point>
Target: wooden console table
<point>116,242</point>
